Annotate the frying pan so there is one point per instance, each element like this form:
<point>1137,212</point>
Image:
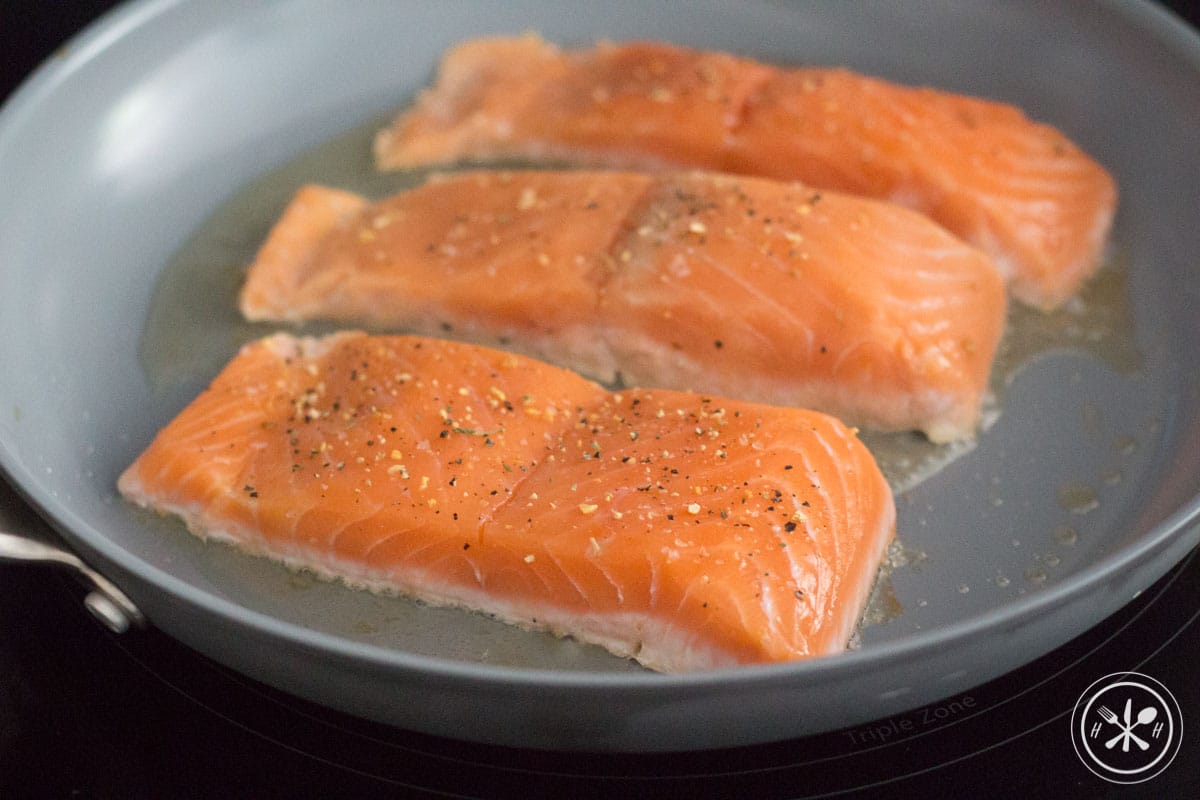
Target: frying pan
<point>134,145</point>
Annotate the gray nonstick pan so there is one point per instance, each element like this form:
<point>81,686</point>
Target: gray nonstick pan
<point>140,168</point>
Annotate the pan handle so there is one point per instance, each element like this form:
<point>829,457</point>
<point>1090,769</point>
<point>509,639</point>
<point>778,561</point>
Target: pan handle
<point>105,601</point>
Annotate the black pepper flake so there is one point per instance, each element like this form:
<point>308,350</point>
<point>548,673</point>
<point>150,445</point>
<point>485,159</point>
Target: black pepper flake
<point>718,344</point>
<point>466,545</point>
<point>789,526</point>
<point>787,466</point>
<point>799,594</point>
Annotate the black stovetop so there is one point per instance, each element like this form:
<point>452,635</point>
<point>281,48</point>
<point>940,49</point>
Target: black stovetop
<point>89,714</point>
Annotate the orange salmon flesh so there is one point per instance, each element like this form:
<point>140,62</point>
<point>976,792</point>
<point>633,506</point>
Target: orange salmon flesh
<point>739,286</point>
<point>685,531</point>
<point>1016,188</point>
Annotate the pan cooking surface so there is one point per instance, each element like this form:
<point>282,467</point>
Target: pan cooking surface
<point>193,328</point>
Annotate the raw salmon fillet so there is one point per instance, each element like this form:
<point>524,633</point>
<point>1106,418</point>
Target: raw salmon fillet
<point>740,286</point>
<point>1018,189</point>
<point>682,530</point>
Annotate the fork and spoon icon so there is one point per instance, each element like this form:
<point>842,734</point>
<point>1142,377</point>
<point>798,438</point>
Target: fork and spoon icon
<point>1144,717</point>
